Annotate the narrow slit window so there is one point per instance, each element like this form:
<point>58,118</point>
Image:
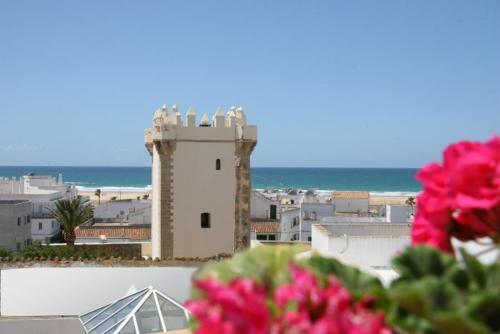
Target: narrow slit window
<point>205,220</point>
<point>217,164</point>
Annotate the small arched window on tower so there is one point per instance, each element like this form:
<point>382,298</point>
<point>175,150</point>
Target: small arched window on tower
<point>217,164</point>
<point>205,220</point>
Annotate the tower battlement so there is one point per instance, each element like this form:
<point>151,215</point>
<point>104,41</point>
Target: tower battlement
<point>170,125</point>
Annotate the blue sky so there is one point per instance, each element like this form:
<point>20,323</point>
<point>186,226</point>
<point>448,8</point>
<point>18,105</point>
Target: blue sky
<point>329,83</point>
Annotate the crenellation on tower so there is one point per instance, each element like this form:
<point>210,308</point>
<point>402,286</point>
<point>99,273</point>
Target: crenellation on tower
<point>201,182</point>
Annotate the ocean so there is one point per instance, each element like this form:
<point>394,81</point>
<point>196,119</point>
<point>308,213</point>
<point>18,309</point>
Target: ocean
<point>386,181</point>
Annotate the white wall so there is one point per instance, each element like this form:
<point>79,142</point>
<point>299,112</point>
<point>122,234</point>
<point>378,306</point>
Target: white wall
<point>50,226</point>
<point>369,251</point>
<point>260,206</point>
<point>286,224</point>
<point>351,205</point>
<point>397,213</point>
<point>73,291</point>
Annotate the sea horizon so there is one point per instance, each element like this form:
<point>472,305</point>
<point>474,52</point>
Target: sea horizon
<point>395,181</point>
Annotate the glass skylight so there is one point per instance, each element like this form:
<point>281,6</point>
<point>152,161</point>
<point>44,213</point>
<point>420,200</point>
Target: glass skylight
<point>145,311</point>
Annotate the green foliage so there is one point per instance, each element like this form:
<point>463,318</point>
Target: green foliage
<point>267,264</point>
<point>5,252</point>
<point>72,213</point>
<point>57,238</point>
<point>437,294</point>
<point>38,250</point>
<point>357,282</point>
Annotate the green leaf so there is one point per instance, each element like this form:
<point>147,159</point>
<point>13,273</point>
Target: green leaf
<point>422,261</point>
<point>356,281</point>
<point>485,308</point>
<point>439,303</point>
<point>266,264</point>
<point>493,278</point>
<point>474,269</point>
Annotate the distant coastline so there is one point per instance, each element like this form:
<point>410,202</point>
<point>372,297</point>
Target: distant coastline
<point>378,181</point>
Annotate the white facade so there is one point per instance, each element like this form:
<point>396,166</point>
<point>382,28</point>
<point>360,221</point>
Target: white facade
<point>264,207</point>
<point>312,212</point>
<point>290,225</point>
<point>351,201</point>
<point>42,229</point>
<point>15,222</point>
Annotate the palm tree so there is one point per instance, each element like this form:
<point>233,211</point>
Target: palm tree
<point>411,202</point>
<point>71,213</point>
<point>98,194</point>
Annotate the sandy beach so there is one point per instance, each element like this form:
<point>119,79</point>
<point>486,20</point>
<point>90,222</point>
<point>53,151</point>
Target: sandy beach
<point>384,200</point>
<point>106,195</point>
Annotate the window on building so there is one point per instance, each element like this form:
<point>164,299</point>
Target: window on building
<point>29,242</point>
<point>217,164</point>
<point>261,237</point>
<point>309,239</point>
<point>205,220</point>
<point>40,226</point>
<point>29,219</point>
<point>18,246</point>
<point>18,221</point>
<point>273,209</point>
<point>272,237</point>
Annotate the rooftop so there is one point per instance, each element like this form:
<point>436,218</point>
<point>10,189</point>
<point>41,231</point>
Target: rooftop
<point>13,201</point>
<point>124,232</point>
<point>265,227</point>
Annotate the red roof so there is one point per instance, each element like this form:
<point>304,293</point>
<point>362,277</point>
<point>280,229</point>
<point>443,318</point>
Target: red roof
<point>126,232</point>
<point>265,227</point>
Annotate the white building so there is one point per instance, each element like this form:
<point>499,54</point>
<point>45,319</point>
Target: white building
<point>351,201</point>
<point>15,217</point>
<point>123,212</point>
<point>200,182</point>
<point>311,213</point>
<point>290,224</point>
<point>43,192</point>
<point>264,206</point>
<point>365,244</point>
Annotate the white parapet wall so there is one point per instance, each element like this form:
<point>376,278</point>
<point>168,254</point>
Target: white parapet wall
<point>51,291</point>
<point>366,244</point>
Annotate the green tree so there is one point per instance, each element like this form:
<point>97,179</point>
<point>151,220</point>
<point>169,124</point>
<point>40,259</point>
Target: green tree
<point>98,194</point>
<point>411,202</point>
<point>71,213</point>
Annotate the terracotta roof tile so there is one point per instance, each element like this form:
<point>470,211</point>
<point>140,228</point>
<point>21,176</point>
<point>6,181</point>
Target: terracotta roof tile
<point>265,227</point>
<point>129,232</point>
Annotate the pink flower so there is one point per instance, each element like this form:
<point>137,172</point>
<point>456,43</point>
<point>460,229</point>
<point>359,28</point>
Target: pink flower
<point>238,307</point>
<point>318,309</point>
<point>299,307</point>
<point>461,197</point>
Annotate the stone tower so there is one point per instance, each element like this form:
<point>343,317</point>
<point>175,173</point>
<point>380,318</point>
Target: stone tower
<point>200,182</point>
